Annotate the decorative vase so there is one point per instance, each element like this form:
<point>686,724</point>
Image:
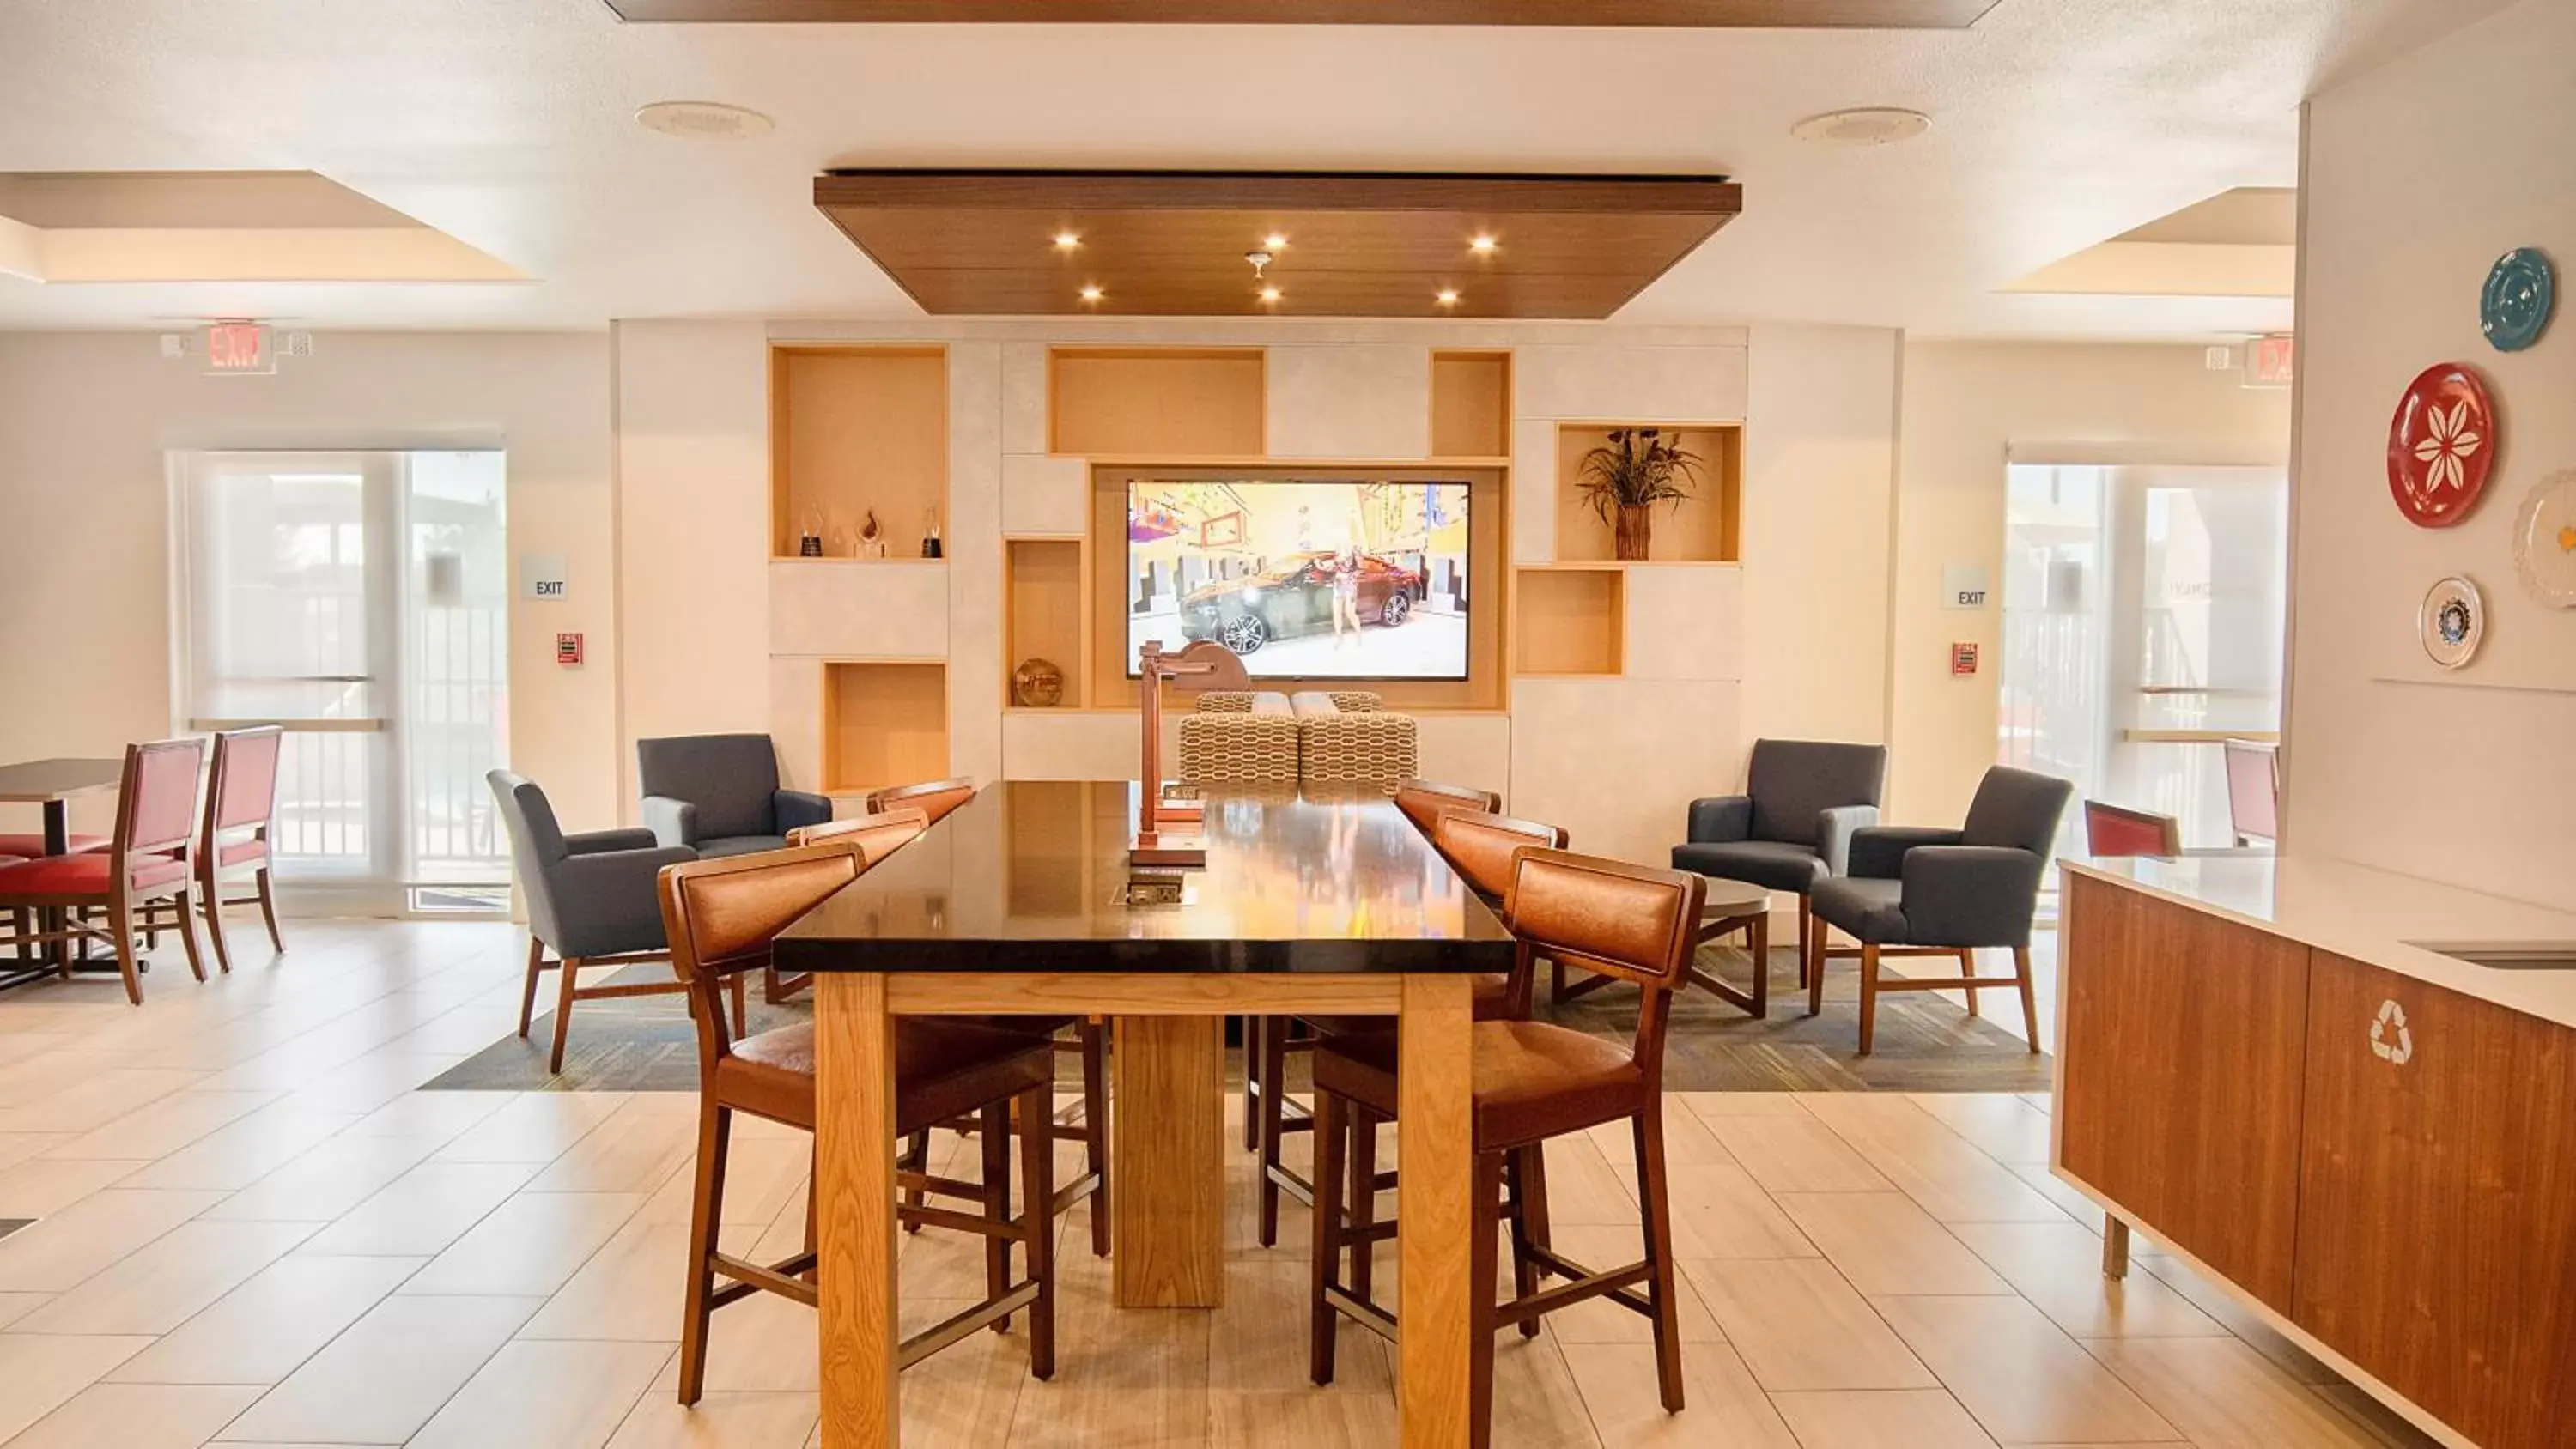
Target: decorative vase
<point>1636,530</point>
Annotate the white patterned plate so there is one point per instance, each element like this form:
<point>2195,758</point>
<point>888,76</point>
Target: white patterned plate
<point>2452,621</point>
<point>2544,540</point>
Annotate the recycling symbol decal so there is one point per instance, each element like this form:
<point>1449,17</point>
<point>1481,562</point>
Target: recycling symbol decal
<point>2390,1041</point>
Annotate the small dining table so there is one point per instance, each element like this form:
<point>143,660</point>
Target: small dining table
<point>54,784</point>
<point>1016,904</point>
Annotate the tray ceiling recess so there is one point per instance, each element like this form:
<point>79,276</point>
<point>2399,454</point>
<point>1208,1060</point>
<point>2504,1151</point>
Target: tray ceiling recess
<point>1669,14</point>
<point>1272,244</point>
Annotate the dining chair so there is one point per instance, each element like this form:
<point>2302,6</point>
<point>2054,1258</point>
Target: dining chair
<point>2117,830</point>
<point>933,798</point>
<point>2253,790</point>
<point>1481,847</point>
<point>879,835</point>
<point>1530,1081</point>
<point>241,813</point>
<point>721,916</point>
<point>147,860</point>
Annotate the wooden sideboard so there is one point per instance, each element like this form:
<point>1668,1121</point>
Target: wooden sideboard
<point>2384,1165</point>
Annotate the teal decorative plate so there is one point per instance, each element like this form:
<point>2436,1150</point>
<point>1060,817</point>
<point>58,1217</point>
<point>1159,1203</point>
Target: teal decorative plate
<point>2514,306</point>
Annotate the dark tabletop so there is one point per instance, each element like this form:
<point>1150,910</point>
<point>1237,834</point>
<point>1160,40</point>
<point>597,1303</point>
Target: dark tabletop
<point>39,780</point>
<point>1026,876</point>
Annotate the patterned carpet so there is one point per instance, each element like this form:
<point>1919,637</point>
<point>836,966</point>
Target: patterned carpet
<point>1925,1044</point>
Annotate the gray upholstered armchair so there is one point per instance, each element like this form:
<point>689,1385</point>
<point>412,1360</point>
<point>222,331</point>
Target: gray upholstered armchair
<point>590,900</point>
<point>719,795</point>
<point>1792,826</point>
<point>1914,891</point>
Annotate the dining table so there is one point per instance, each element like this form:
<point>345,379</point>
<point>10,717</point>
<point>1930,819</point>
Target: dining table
<point>1018,903</point>
<point>54,784</point>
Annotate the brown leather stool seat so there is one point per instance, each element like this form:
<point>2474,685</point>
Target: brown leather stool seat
<point>943,1069</point>
<point>1533,1079</point>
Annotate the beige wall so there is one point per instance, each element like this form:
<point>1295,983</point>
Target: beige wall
<point>2462,777</point>
<point>85,420</point>
<point>1968,409</point>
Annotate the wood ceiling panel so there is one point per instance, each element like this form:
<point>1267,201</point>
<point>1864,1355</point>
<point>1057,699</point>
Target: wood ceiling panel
<point>1675,14</point>
<point>1173,244</point>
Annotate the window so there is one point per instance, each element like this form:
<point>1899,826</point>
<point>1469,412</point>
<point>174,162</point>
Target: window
<point>361,600</point>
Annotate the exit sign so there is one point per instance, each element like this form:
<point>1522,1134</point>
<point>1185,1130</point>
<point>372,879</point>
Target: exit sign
<point>239,349</point>
<point>2271,361</point>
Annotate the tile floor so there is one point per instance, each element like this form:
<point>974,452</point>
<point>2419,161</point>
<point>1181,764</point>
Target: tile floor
<point>250,1229</point>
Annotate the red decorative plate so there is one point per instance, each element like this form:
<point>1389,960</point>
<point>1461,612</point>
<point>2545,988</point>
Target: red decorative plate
<point>2440,445</point>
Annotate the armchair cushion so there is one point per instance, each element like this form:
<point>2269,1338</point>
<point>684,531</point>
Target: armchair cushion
<point>795,809</point>
<point>731,779</point>
<point>1879,850</point>
<point>1870,909</point>
<point>1766,863</point>
<point>673,822</point>
<point>1721,817</point>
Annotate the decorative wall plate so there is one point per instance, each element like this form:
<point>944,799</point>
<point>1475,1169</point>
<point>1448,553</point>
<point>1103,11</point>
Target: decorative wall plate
<point>2544,540</point>
<point>2513,307</point>
<point>2452,622</point>
<point>2441,444</point>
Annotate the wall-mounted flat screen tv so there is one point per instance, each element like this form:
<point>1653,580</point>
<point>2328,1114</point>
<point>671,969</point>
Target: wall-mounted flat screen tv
<point>1323,579</point>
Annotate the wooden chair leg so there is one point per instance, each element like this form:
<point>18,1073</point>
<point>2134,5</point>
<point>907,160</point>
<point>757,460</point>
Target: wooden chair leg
<point>1516,1189</point>
<point>1252,1083</point>
<point>1482,1230</point>
<point>1968,972</point>
<point>706,1215</point>
<point>211,901</point>
<point>1806,919</point>
<point>120,922</point>
<point>187,920</point>
<point>1095,1126</point>
<point>1814,950</point>
<point>916,1156</point>
<point>1323,1324</point>
<point>996,1145</point>
<point>1868,996</point>
<point>1273,1107</point>
<point>570,966</point>
<point>1655,1215</point>
<point>528,996</point>
<point>1037,1222</point>
<point>1363,1204</point>
<point>2029,1002</point>
<point>268,909</point>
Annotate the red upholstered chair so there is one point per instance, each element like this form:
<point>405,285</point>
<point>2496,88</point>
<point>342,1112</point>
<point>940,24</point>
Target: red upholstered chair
<point>2113,830</point>
<point>29,847</point>
<point>241,812</point>
<point>148,860</point>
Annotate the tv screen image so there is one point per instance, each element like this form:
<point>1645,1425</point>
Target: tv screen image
<point>1307,580</point>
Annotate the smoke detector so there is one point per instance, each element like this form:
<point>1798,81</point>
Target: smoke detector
<point>1863,126</point>
<point>705,121</point>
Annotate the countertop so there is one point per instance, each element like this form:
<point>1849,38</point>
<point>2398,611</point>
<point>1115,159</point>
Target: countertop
<point>2373,916</point>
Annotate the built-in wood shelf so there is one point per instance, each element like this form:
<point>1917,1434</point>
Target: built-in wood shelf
<point>1157,402</point>
<point>1569,621</point>
<point>854,430</point>
<point>885,722</point>
<point>1706,528</point>
<point>1471,405</point>
<point>1043,593</point>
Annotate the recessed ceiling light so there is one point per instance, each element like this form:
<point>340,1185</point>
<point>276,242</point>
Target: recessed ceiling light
<point>1275,242</point>
<point>1270,294</point>
<point>1091,293</point>
<point>1448,297</point>
<point>1481,245</point>
<point>1066,241</point>
<point>705,120</point>
<point>1863,126</point>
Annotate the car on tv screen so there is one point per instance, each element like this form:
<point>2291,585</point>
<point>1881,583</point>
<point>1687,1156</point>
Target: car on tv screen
<point>1295,597</point>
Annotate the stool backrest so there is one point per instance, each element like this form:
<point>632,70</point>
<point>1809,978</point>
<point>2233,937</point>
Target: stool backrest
<point>933,798</point>
<point>720,916</point>
<point>1634,922</point>
<point>1481,845</point>
<point>875,835</point>
<point>1425,801</point>
<point>156,805</point>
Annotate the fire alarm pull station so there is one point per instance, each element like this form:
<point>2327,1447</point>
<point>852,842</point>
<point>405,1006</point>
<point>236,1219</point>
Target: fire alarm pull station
<point>1963,659</point>
<point>567,648</point>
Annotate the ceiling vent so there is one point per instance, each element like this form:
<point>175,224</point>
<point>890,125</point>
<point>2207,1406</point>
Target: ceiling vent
<point>705,121</point>
<point>1863,126</point>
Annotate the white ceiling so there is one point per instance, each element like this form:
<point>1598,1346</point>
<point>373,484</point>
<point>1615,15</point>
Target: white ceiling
<point>507,123</point>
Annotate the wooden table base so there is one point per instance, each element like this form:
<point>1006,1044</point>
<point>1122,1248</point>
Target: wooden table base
<point>1167,1161</point>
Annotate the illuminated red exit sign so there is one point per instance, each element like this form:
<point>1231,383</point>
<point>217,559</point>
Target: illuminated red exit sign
<point>239,348</point>
<point>2271,361</point>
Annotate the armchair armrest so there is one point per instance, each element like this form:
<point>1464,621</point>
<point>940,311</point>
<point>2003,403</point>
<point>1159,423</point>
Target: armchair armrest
<point>795,809</point>
<point>1720,818</point>
<point>605,903</point>
<point>1879,851</point>
<point>1835,826</point>
<point>592,842</point>
<point>673,822</point>
<point>1971,895</point>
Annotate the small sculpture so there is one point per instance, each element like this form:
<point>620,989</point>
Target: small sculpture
<point>809,535</point>
<point>871,538</point>
<point>930,533</point>
<point>1037,684</point>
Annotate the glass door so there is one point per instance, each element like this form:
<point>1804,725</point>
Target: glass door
<point>361,601</point>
